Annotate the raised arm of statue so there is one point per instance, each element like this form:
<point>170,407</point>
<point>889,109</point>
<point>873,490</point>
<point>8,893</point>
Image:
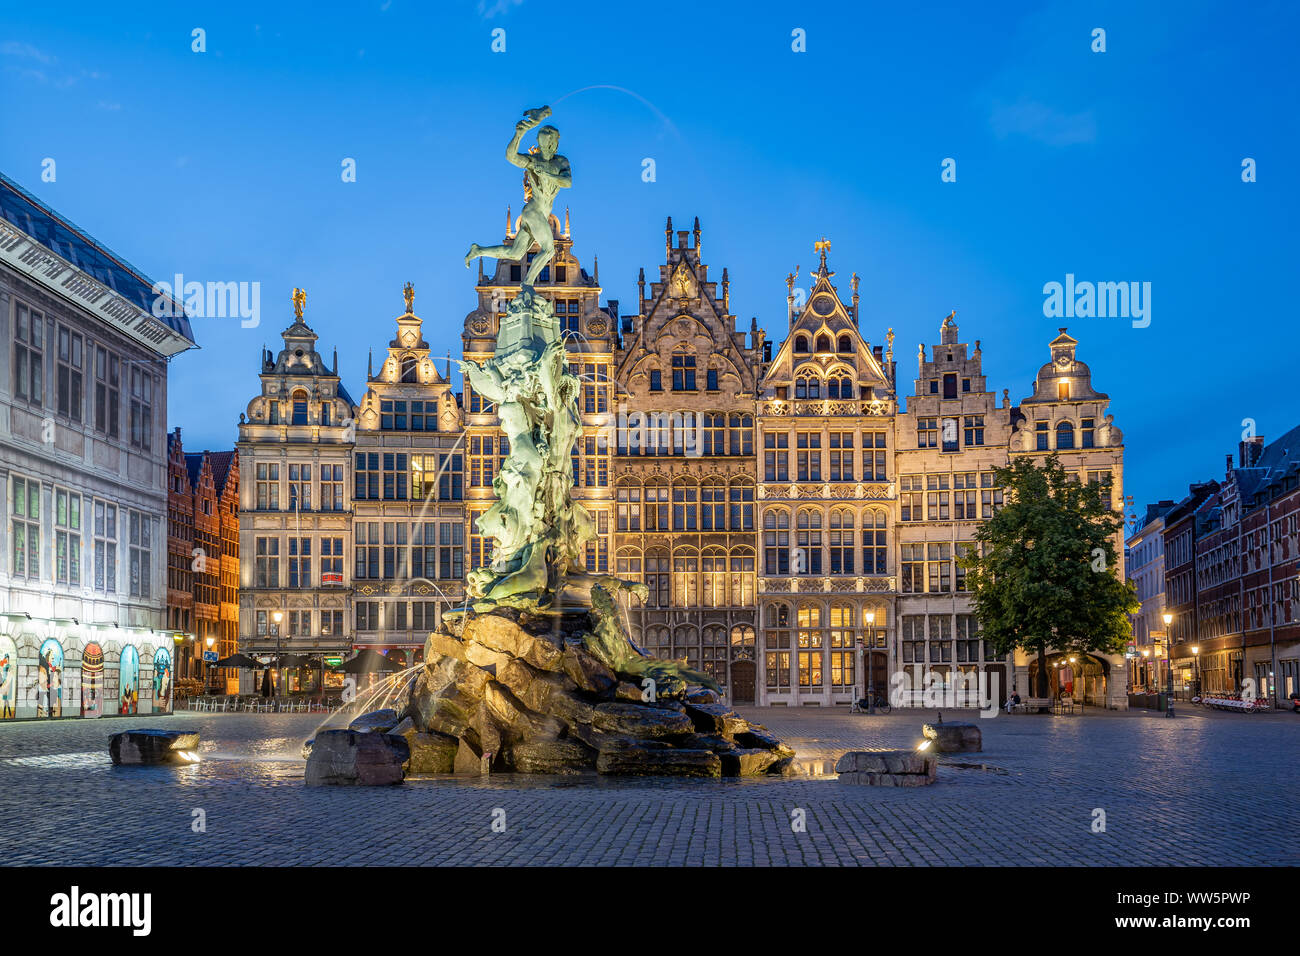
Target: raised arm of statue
<point>485,380</point>
<point>532,119</point>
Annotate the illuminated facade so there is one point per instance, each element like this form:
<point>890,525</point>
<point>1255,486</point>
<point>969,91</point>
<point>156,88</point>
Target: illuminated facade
<point>684,477</point>
<point>826,491</point>
<point>295,532</point>
<point>407,498</point>
<point>796,520</point>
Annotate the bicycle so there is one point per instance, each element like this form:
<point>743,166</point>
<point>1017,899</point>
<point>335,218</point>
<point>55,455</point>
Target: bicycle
<point>882,705</point>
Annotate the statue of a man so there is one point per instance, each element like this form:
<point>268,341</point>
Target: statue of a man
<point>545,174</point>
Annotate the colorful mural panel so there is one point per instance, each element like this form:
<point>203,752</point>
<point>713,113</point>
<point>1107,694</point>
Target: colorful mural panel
<point>8,678</point>
<point>49,681</point>
<point>128,684</point>
<point>92,681</point>
<point>162,681</point>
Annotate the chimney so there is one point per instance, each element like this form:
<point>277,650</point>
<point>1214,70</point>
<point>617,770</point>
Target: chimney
<point>879,352</point>
<point>1249,451</point>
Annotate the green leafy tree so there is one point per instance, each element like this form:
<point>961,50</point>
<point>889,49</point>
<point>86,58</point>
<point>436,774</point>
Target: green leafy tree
<point>1043,570</point>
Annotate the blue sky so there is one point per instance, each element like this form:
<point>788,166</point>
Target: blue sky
<point>1115,166</point>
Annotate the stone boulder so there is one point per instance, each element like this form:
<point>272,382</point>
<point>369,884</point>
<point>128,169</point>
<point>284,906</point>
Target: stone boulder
<point>640,720</point>
<point>430,753</point>
<point>149,747</point>
<point>356,758</point>
<point>643,758</point>
<point>518,688</point>
<point>887,768</point>
<point>377,721</point>
<point>552,756</point>
<point>957,737</point>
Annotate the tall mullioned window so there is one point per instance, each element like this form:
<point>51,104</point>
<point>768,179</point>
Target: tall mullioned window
<point>67,537</point>
<point>267,485</point>
<point>108,396</point>
<point>105,531</point>
<point>29,355</point>
<point>331,487</point>
<point>841,456</point>
<point>683,372</point>
<point>776,457</point>
<point>874,459</point>
<point>141,553</point>
<point>141,412</point>
<point>68,369</point>
<point>25,528</point>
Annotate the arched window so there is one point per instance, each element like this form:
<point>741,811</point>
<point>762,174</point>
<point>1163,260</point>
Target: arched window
<point>742,577</point>
<point>741,494</point>
<point>839,386</point>
<point>629,567</point>
<point>409,368</point>
<point>713,652</point>
<point>686,646</point>
<point>715,433</point>
<point>874,545</point>
<point>808,554</point>
<point>801,344</point>
<point>845,344</point>
<point>823,343</point>
<point>629,505</point>
<point>842,543</point>
<point>1064,435</point>
<point>810,641</point>
<point>713,565</point>
<point>299,407</point>
<point>808,386</point>
<point>741,438</point>
<point>683,369</point>
<point>656,578</point>
<point>686,578</point>
<point>657,643</point>
<point>776,644</point>
<point>776,542</point>
<point>713,505</point>
<point>685,505</point>
<point>686,433</point>
<point>842,642</point>
<point>778,615</point>
<point>656,505</point>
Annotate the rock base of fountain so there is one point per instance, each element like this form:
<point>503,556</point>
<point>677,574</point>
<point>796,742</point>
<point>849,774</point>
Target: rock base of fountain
<point>367,758</point>
<point>150,747</point>
<point>517,690</point>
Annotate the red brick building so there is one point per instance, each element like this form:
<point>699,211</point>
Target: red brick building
<point>1244,632</point>
<point>203,559</point>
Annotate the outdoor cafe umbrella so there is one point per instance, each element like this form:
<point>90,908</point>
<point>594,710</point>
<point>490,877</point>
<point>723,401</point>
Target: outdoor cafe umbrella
<point>242,661</point>
<point>369,661</point>
<point>294,660</point>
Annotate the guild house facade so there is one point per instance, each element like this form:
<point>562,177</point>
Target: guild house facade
<point>795,513</point>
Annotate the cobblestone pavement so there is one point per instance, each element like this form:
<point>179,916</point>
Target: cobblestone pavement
<point>1200,789</point>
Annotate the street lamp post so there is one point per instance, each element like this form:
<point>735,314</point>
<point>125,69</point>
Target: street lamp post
<point>871,660</point>
<point>1196,679</point>
<point>207,668</point>
<point>277,616</point>
<point>1169,666</point>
